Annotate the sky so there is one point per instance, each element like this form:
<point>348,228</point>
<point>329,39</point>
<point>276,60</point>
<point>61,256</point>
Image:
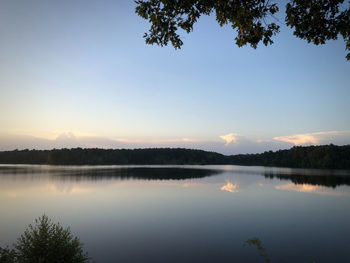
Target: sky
<point>77,73</point>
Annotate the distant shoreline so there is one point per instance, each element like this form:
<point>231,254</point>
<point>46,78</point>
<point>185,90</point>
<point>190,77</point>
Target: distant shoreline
<point>320,157</point>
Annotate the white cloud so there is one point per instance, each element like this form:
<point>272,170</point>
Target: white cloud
<point>337,137</point>
<point>298,139</point>
<point>229,138</point>
<point>236,144</point>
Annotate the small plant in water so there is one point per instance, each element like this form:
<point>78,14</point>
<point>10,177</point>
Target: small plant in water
<point>258,244</point>
<point>45,242</point>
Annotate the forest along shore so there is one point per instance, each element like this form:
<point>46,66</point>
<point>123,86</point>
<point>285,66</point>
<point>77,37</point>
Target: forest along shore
<point>322,157</point>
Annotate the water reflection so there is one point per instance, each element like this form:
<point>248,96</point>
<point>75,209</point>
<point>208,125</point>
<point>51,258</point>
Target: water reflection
<point>311,189</point>
<point>230,187</point>
<point>68,189</point>
<point>321,180</point>
<point>298,188</point>
<point>185,213</point>
<point>52,188</point>
<point>96,173</point>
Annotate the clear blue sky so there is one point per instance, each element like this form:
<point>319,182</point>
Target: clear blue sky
<point>81,72</point>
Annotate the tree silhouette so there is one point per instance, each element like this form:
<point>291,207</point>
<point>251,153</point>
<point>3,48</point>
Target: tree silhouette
<point>313,20</point>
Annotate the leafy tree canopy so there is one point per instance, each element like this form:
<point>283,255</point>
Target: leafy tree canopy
<point>45,242</point>
<point>313,20</point>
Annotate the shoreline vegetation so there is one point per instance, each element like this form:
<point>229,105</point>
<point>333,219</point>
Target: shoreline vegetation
<point>43,242</point>
<point>321,157</point>
<point>46,241</point>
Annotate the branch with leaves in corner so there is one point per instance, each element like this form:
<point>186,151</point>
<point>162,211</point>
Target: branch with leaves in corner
<point>315,21</point>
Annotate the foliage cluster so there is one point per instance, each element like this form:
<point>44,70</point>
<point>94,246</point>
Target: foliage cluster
<point>45,242</point>
<point>245,16</point>
<point>313,20</point>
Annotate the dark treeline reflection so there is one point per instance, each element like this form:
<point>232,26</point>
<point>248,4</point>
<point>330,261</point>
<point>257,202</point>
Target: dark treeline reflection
<point>145,173</point>
<point>142,173</point>
<point>67,173</point>
<point>320,180</point>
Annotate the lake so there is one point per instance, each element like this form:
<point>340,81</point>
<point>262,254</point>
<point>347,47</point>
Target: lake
<point>184,213</point>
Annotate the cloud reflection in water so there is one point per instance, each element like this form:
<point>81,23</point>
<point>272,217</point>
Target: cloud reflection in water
<point>308,188</point>
<point>230,187</point>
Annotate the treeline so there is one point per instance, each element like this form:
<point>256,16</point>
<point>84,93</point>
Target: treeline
<point>325,156</point>
<point>79,156</point>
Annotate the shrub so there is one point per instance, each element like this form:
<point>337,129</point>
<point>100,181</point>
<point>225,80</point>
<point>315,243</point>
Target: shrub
<point>45,242</point>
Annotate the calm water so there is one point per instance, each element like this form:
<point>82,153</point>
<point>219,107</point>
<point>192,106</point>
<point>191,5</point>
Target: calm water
<point>185,213</point>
